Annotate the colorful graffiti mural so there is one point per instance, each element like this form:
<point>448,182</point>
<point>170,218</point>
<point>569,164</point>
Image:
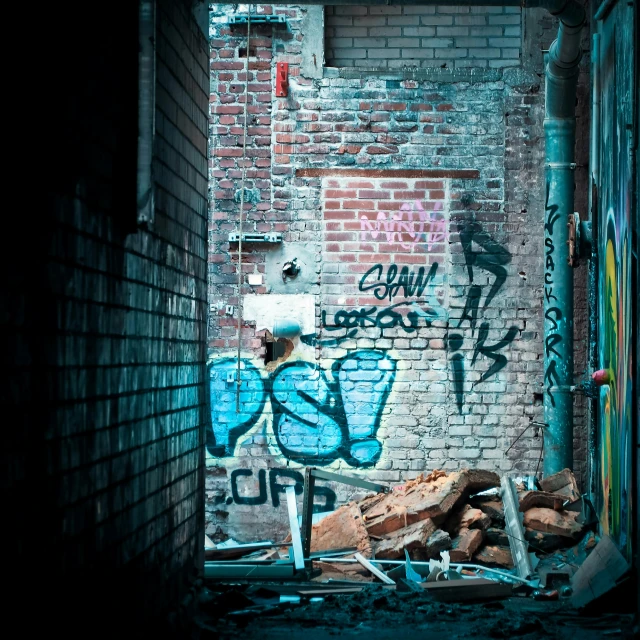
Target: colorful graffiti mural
<point>615,296</point>
<point>316,419</point>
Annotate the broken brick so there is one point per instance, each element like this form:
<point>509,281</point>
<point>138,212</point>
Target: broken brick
<point>342,528</point>
<point>496,536</point>
<point>563,483</point>
<point>465,544</point>
<point>562,523</point>
<point>413,537</point>
<point>493,508</point>
<point>432,497</point>
<point>543,541</point>
<point>530,499</point>
<point>467,518</point>
<point>497,556</point>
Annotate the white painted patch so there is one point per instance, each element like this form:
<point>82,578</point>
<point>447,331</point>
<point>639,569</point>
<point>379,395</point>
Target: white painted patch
<point>265,309</point>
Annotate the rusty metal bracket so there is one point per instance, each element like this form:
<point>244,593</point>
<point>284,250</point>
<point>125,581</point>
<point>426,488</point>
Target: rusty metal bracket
<point>573,240</point>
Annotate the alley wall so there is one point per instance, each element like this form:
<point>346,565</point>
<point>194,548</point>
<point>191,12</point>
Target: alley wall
<point>406,178</point>
<point>105,332</point>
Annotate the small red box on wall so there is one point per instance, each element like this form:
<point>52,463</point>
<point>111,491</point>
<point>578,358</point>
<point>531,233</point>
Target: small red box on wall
<point>282,79</point>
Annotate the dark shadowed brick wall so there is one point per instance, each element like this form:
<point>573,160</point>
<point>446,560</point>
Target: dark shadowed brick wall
<point>104,329</point>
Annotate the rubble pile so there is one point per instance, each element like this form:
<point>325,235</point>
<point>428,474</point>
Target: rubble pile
<point>460,512</point>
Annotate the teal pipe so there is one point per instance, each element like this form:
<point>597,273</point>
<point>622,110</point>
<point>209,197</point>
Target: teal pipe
<point>561,74</point>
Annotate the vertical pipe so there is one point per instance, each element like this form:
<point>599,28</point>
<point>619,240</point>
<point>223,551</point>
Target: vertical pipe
<point>594,159</point>
<point>561,75</point>
<point>558,300</point>
<point>146,109</point>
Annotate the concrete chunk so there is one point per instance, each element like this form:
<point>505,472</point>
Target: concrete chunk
<point>438,541</point>
<point>497,536</point>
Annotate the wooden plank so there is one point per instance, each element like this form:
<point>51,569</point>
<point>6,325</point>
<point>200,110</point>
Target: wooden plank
<point>229,553</point>
<point>217,571</point>
<point>298,555</point>
<point>350,480</point>
<point>463,590</point>
<point>376,572</point>
<point>330,553</point>
<point>332,591</point>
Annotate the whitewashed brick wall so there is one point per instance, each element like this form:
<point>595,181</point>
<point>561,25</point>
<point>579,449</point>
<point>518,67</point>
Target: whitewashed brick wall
<point>423,36</point>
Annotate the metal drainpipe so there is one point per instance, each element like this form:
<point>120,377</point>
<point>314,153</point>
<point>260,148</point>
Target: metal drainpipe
<point>594,160</point>
<point>559,127</point>
<point>146,109</point>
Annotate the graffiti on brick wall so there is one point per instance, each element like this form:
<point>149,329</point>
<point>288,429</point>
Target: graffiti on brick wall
<point>275,488</point>
<point>491,257</point>
<point>407,227</point>
<point>316,418</point>
<point>406,283</point>
<point>617,292</point>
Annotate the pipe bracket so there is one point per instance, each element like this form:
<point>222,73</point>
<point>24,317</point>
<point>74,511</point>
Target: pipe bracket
<point>561,165</point>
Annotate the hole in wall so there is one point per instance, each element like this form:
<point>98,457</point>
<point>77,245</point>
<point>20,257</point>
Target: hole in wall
<point>277,350</point>
<point>242,52</point>
<point>522,274</point>
<point>537,399</point>
<point>290,269</point>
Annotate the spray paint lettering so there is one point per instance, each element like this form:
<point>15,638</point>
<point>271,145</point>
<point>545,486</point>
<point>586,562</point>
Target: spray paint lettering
<point>241,478</point>
<point>553,315</point>
<point>405,282</point>
<point>316,419</point>
<point>493,259</point>
<point>410,226</point>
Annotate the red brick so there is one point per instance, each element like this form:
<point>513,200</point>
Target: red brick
<point>370,193</point>
<point>394,184</point>
<point>381,149</point>
<point>340,193</point>
<point>358,204</point>
<point>339,215</point>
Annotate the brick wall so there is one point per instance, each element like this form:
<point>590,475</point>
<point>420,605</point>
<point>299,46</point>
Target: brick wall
<point>105,327</point>
<point>413,202</point>
<point>423,36</point>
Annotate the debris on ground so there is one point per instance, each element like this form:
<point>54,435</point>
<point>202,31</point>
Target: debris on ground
<point>448,537</point>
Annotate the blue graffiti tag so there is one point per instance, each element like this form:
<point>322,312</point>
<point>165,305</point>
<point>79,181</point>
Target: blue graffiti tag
<point>228,425</point>
<point>315,419</point>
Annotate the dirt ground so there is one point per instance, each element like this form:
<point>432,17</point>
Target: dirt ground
<point>378,614</point>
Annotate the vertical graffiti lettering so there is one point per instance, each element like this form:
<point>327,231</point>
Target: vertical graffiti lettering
<point>492,258</point>
<point>553,314</point>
